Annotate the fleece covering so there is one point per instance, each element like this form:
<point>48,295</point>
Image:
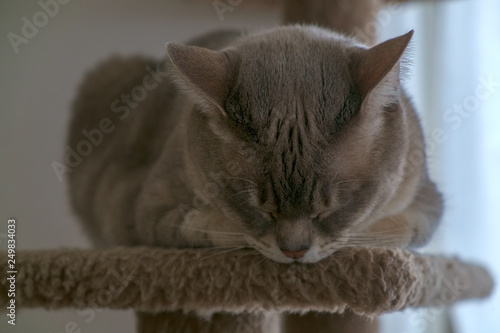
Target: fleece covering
<point>367,281</point>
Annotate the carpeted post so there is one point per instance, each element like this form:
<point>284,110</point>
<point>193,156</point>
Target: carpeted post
<point>177,321</point>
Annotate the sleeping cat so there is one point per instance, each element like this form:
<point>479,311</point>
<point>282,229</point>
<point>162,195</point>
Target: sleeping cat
<point>295,141</point>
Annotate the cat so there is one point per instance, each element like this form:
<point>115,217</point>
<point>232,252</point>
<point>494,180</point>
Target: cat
<point>295,141</point>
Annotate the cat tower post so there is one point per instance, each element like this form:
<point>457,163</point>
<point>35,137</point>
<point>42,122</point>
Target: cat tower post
<point>351,17</point>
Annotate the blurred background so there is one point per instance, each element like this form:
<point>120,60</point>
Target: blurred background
<point>454,81</point>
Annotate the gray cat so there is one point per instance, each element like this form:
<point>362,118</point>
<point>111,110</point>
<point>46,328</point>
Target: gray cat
<point>295,141</point>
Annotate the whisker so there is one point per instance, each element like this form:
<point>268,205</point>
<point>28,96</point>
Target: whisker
<point>257,242</point>
<point>368,237</point>
<point>251,252</point>
<point>208,231</point>
<point>215,239</point>
<point>336,174</point>
<point>241,192</point>
<point>221,252</point>
<point>381,231</point>
<point>260,261</point>
<point>246,180</point>
<point>244,202</point>
<point>372,239</point>
<point>349,181</point>
<point>384,241</point>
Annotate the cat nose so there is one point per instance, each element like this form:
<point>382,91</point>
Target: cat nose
<point>295,254</point>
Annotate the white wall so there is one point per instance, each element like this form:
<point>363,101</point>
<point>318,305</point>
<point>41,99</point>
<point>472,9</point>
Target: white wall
<point>37,85</point>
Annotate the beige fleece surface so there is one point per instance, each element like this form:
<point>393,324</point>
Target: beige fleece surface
<point>368,281</point>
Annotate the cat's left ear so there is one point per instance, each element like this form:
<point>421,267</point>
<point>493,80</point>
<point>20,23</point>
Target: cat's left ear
<point>377,68</point>
<point>205,74</point>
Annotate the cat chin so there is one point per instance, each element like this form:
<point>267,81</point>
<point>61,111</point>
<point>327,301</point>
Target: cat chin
<point>310,257</point>
<point>315,254</point>
<point>269,248</point>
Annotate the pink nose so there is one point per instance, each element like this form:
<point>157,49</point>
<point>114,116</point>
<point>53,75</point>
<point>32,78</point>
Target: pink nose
<point>294,254</point>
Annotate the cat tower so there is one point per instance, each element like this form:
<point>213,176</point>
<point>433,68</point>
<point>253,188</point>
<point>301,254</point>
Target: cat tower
<point>204,290</point>
<point>167,286</point>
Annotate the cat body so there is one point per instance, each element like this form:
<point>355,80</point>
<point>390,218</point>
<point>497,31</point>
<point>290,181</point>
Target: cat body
<point>294,141</point>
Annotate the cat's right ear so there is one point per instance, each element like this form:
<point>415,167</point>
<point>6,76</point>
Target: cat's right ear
<point>205,74</point>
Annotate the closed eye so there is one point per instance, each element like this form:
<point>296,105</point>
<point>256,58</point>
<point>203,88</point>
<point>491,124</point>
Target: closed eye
<point>321,215</point>
<point>268,214</point>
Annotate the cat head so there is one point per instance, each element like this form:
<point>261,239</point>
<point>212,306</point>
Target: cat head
<point>298,127</point>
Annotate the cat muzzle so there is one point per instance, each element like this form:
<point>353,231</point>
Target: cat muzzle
<point>295,254</point>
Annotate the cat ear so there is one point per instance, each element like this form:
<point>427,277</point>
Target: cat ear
<point>205,74</point>
<point>371,66</point>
